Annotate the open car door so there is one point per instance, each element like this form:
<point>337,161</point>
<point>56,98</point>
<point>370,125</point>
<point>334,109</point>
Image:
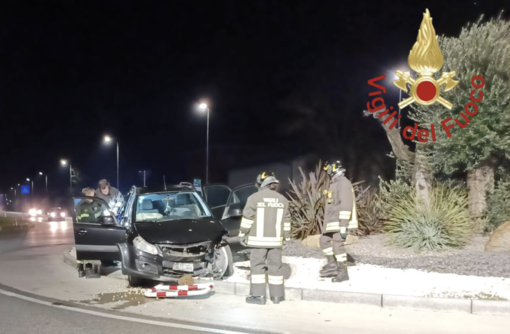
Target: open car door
<point>216,196</point>
<point>233,212</point>
<point>96,230</point>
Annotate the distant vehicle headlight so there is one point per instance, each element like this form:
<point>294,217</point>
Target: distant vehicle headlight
<point>62,214</point>
<point>32,212</point>
<point>39,212</point>
<point>144,246</point>
<point>53,214</point>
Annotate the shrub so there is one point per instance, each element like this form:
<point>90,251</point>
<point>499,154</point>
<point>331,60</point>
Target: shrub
<point>388,195</point>
<point>498,205</point>
<point>442,223</point>
<point>369,213</point>
<point>307,203</point>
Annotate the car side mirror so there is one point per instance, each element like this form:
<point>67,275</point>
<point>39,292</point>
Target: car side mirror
<point>234,212</point>
<point>107,220</point>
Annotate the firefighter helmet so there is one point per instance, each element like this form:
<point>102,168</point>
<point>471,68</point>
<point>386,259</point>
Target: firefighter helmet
<point>262,176</point>
<point>269,180</point>
<point>334,168</point>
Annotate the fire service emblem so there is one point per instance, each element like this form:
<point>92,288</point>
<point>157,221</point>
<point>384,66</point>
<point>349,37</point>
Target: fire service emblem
<point>425,58</point>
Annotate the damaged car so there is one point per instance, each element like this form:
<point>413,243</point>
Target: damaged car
<point>163,234</point>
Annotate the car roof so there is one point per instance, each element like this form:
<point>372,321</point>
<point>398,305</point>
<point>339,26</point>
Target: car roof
<point>149,190</point>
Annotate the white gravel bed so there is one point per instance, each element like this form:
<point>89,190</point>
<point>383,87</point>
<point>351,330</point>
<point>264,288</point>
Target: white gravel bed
<point>375,279</point>
<point>471,260</point>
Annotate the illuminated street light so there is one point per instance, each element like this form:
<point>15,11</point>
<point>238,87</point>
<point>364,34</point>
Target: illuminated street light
<point>205,108</point>
<point>202,106</point>
<point>64,162</point>
<point>108,139</point>
<point>45,179</point>
<point>28,179</point>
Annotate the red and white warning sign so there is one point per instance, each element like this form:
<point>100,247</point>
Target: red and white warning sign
<point>164,291</point>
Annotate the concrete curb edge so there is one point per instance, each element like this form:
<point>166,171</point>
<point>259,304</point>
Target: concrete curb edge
<point>69,259</point>
<point>472,306</point>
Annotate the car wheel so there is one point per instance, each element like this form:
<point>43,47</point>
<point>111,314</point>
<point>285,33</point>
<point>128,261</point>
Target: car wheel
<point>224,262</point>
<point>135,282</point>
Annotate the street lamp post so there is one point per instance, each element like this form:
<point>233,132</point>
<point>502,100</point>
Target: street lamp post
<point>64,163</point>
<point>108,139</point>
<point>45,179</point>
<point>143,176</point>
<point>205,107</point>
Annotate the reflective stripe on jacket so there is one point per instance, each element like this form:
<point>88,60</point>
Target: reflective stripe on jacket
<point>266,219</point>
<point>340,211</point>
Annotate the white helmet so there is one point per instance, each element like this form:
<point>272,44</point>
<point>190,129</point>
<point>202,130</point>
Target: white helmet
<point>269,180</point>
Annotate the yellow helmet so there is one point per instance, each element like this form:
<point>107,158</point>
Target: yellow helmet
<point>264,175</point>
<point>334,168</point>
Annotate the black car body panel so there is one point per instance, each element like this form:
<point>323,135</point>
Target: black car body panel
<point>189,245</point>
<point>97,240</point>
<point>185,231</point>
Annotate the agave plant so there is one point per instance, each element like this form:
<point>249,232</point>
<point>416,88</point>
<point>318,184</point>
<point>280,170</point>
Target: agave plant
<point>307,202</point>
<point>444,222</point>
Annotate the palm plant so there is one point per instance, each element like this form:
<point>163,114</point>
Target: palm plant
<point>307,202</point>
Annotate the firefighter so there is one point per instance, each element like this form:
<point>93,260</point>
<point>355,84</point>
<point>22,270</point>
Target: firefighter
<point>261,177</point>
<point>265,228</point>
<point>339,218</point>
<point>88,210</point>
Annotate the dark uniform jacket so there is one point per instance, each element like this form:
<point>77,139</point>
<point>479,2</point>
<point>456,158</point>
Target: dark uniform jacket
<point>340,209</point>
<point>88,212</point>
<point>114,199</point>
<point>266,219</point>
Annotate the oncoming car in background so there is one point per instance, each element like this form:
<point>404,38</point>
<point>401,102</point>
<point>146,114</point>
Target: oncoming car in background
<point>162,234</point>
<point>35,212</point>
<point>56,213</point>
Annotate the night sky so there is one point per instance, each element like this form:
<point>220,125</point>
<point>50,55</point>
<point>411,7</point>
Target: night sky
<point>72,71</point>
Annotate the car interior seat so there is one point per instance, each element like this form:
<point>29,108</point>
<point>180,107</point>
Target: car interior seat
<point>148,207</point>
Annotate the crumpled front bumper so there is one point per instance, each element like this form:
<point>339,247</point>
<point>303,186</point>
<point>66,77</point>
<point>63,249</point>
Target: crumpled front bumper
<point>152,267</point>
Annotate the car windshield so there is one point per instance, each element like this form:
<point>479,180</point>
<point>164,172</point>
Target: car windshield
<point>172,205</point>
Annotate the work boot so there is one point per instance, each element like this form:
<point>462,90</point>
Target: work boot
<point>350,261</point>
<point>343,274</point>
<point>277,300</point>
<point>259,300</point>
<point>331,268</point>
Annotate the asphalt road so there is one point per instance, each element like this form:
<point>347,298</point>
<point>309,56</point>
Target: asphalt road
<point>44,234</point>
<point>20,317</point>
<point>23,316</point>
<point>34,258</point>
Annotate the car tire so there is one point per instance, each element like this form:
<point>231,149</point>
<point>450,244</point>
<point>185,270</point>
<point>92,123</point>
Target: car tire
<point>135,282</point>
<point>227,253</point>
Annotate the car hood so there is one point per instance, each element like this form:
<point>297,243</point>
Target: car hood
<point>183,231</point>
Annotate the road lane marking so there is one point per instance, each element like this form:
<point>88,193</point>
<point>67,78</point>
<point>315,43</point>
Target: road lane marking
<point>119,317</point>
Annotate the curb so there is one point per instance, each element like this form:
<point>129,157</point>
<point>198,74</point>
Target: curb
<point>69,259</point>
<point>472,306</point>
<point>25,226</point>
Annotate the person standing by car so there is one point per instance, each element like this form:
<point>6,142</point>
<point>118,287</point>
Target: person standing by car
<point>265,227</point>
<point>88,210</point>
<point>261,177</point>
<point>110,195</point>
<point>339,217</point>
